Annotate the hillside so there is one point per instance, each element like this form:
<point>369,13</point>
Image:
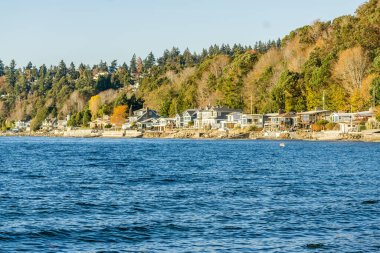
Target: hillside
<point>334,64</point>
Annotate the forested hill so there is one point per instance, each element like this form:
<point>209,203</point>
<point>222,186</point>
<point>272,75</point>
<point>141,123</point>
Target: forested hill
<point>338,60</point>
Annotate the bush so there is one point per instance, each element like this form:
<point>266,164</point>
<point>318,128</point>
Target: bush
<point>316,128</point>
<point>331,125</point>
<point>108,126</point>
<point>322,122</point>
<point>252,128</point>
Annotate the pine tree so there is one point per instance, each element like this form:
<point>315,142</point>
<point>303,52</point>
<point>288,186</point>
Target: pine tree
<point>72,71</point>
<point>113,66</point>
<point>62,70</point>
<point>11,73</point>
<point>149,61</point>
<point>188,59</point>
<point>2,70</point>
<point>133,65</point>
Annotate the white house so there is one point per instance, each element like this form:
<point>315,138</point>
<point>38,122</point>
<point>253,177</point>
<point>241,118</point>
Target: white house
<point>212,117</point>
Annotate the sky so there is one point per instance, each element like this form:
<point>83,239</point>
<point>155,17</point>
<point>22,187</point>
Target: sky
<point>47,31</point>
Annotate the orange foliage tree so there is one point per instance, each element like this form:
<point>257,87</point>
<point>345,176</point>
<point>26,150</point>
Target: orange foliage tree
<point>119,115</point>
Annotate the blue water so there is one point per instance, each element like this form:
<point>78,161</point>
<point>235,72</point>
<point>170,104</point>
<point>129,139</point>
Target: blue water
<point>120,195</point>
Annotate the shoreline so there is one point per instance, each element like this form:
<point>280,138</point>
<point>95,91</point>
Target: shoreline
<point>367,136</point>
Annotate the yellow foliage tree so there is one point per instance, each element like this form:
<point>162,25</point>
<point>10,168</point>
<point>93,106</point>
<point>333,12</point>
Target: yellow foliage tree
<point>351,67</point>
<point>94,105</point>
<point>119,115</point>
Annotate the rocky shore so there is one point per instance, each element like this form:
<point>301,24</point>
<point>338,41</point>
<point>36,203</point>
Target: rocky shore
<point>368,136</point>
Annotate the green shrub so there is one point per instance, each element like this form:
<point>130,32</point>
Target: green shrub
<point>331,125</point>
<point>322,122</point>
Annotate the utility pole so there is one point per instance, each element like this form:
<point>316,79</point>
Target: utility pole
<point>373,97</point>
<point>251,105</point>
<point>323,100</point>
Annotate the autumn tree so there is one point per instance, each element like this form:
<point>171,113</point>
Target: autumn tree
<point>94,105</point>
<point>139,66</point>
<point>119,115</point>
<point>351,67</point>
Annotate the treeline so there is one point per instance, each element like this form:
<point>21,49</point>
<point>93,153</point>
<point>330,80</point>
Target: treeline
<point>32,92</point>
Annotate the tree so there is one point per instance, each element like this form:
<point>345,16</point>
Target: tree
<point>2,71</point>
<point>149,61</point>
<point>119,115</point>
<point>11,73</point>
<point>133,65</point>
<point>113,66</point>
<point>36,123</point>
<point>351,67</point>
<point>94,105</point>
<point>139,66</point>
<point>86,117</point>
<point>62,70</point>
<point>72,72</point>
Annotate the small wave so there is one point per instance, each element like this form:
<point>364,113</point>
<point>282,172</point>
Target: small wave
<point>85,204</point>
<point>370,202</point>
<point>168,180</point>
<point>314,245</point>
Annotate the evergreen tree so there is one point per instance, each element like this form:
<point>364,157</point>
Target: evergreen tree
<point>62,70</point>
<point>103,66</point>
<point>2,70</point>
<point>149,61</point>
<point>72,71</point>
<point>29,65</point>
<point>113,66</point>
<point>11,73</point>
<point>188,59</point>
<point>133,65</point>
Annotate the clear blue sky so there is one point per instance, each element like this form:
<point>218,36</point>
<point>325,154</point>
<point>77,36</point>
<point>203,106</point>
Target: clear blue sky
<point>46,31</point>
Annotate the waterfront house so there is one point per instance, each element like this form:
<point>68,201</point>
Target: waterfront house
<point>22,125</point>
<point>146,123</point>
<point>306,119</point>
<point>211,117</point>
<point>233,120</point>
<point>351,122</point>
<point>186,119</point>
<point>341,117</point>
<point>49,124</point>
<point>142,115</point>
<point>280,121</point>
<point>163,124</point>
<point>62,124</point>
<point>256,120</point>
<point>100,123</point>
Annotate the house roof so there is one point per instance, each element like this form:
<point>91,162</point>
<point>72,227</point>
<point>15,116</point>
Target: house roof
<point>225,109</point>
<point>190,111</point>
<point>275,114</point>
<point>364,114</point>
<point>234,113</point>
<point>343,114</point>
<point>313,112</point>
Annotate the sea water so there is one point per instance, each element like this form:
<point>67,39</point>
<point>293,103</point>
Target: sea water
<point>128,195</point>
